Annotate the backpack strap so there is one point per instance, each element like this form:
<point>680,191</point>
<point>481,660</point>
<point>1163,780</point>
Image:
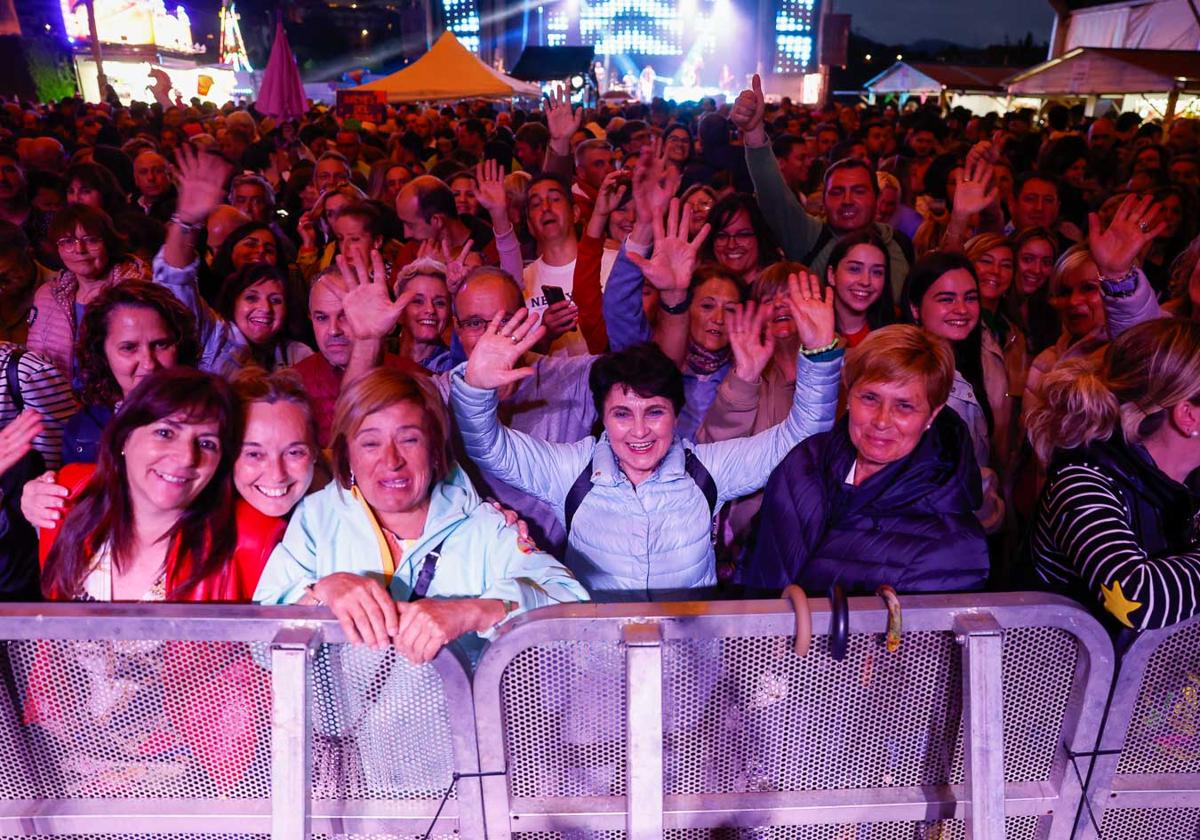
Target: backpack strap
<point>703,479</point>
<point>11,374</point>
<point>576,495</point>
<point>691,465</point>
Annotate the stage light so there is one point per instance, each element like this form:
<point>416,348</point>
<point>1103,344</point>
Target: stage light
<point>868,56</point>
<point>899,57</point>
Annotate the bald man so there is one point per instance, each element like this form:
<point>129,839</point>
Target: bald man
<point>221,222</point>
<point>45,154</point>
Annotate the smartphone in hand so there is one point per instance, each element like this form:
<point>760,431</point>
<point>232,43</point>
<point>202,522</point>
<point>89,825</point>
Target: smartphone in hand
<point>554,294</point>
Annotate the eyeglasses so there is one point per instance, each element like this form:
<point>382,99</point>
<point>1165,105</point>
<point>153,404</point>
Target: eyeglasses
<point>71,243</point>
<point>478,324</point>
<point>741,237</point>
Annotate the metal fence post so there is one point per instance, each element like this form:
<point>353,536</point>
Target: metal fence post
<point>291,725</point>
<point>982,639</point>
<point>644,731</point>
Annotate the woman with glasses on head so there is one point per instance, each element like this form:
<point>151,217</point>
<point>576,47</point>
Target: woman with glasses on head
<point>94,257</point>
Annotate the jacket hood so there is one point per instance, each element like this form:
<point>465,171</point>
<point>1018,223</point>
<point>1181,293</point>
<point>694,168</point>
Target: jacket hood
<point>939,475</point>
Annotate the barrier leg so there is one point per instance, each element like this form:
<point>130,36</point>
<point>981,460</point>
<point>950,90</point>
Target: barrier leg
<point>291,725</point>
<point>983,707</point>
<point>644,731</point>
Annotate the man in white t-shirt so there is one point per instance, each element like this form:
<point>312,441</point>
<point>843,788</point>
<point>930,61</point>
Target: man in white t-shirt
<point>551,218</point>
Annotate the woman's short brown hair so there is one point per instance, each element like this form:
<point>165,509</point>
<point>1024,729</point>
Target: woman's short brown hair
<point>900,353</point>
<point>94,222</point>
<point>376,391</point>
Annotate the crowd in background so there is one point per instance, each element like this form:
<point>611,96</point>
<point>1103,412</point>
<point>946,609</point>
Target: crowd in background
<point>480,358</point>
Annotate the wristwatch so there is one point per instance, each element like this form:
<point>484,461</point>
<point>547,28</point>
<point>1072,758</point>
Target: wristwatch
<point>677,309</point>
<point>1119,287</point>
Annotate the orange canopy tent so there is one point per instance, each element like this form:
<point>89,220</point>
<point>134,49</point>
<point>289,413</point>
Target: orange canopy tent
<point>449,71</point>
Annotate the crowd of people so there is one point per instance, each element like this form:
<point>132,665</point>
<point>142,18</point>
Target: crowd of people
<point>476,359</point>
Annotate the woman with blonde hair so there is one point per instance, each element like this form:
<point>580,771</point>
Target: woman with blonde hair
<point>368,545</point>
<point>994,258</point>
<point>1116,523</point>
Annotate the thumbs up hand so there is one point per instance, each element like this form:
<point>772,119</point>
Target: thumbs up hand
<point>747,113</point>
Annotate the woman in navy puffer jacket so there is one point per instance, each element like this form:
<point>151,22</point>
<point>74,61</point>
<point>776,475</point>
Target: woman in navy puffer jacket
<point>886,496</point>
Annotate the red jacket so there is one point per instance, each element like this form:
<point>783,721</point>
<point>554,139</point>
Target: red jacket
<point>257,536</point>
<point>216,699</point>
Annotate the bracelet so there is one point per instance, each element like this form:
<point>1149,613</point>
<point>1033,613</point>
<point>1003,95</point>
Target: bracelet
<point>177,220</point>
<point>677,309</point>
<point>817,351</point>
<point>1119,287</point>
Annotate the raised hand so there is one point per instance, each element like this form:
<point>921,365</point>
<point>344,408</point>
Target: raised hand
<point>491,193</point>
<point>306,226</point>
<point>457,267</point>
<point>42,500</point>
<point>612,190</point>
<point>975,192</point>
<point>1135,225</point>
<point>748,109</point>
<point>812,310</point>
<point>16,439</point>
<point>752,343</point>
<point>370,311</point>
<point>669,268</point>
<point>503,343</point>
<point>559,319</point>
<point>561,118</point>
<point>201,183</point>
<point>654,183</point>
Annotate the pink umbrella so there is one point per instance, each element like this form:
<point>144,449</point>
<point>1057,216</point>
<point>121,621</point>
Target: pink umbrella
<point>281,94</point>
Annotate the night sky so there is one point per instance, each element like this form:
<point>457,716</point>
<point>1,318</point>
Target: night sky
<point>968,22</point>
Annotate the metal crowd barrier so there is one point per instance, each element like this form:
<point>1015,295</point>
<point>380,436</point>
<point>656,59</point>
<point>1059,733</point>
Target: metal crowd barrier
<point>1146,773</point>
<point>689,721</point>
<point>231,721</point>
<point>677,721</point>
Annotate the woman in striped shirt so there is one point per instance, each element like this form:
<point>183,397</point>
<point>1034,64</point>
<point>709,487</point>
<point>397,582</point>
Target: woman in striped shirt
<point>1116,523</point>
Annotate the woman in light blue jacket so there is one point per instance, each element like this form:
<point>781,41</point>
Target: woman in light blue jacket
<point>399,546</point>
<point>637,502</point>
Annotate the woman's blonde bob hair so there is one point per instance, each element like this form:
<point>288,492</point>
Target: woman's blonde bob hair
<point>1144,373</point>
<point>381,389</point>
<point>902,353</point>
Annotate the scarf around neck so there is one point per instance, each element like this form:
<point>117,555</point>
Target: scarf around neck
<point>706,362</point>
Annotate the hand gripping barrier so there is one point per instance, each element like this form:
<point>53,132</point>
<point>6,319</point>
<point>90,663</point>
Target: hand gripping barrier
<point>1146,773</point>
<point>696,720</point>
<point>216,721</point>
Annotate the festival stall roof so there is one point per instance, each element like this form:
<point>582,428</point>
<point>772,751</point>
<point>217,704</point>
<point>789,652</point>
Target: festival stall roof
<point>932,78</point>
<point>449,71</point>
<point>1096,71</point>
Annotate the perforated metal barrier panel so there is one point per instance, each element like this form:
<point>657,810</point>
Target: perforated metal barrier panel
<point>758,742</point>
<point>1148,774</point>
<point>153,721</point>
<point>246,723</point>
